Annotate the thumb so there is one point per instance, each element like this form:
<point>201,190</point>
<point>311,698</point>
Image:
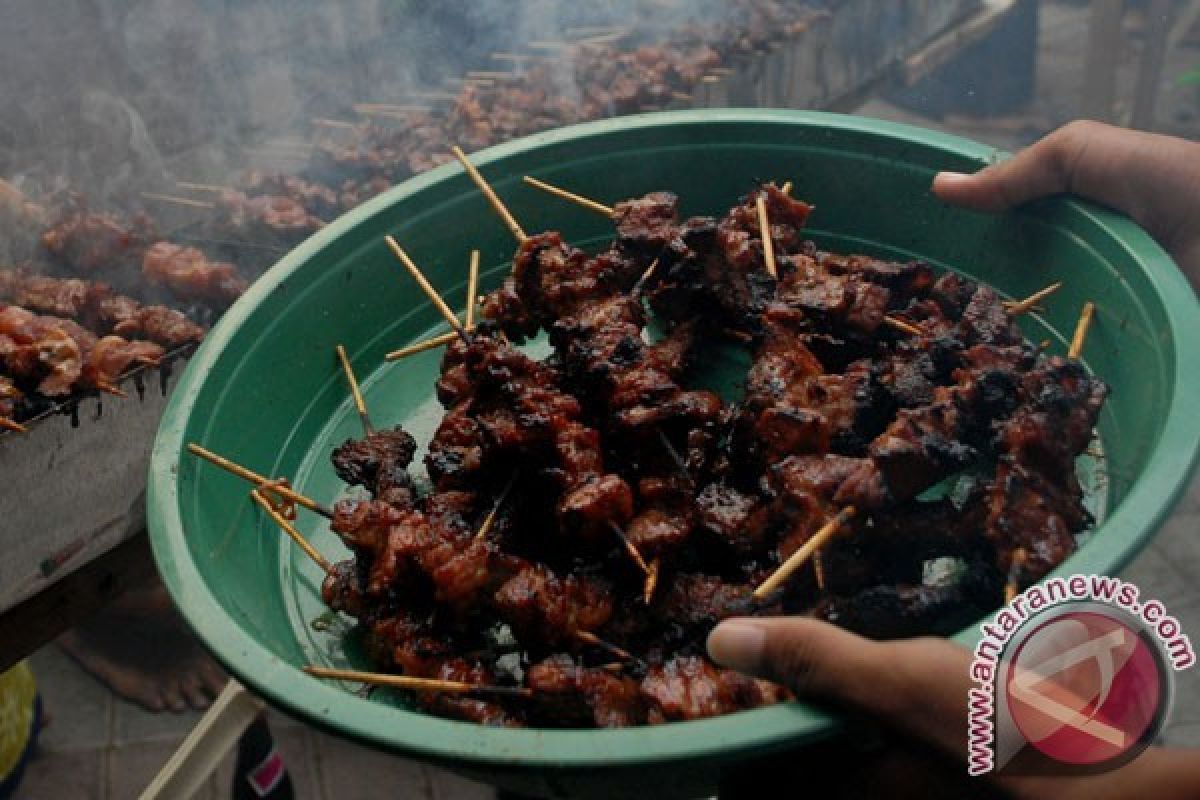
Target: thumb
<point>920,685</point>
<point>811,657</point>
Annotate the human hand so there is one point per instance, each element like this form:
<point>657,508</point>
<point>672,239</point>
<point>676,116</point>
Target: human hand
<point>918,688</point>
<point>1152,178</point>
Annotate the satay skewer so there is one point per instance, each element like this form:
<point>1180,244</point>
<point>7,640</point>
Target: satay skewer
<point>415,684</point>
<point>472,290</point>
<point>806,550</point>
<point>900,325</point>
<point>490,519</point>
<point>1081,329</point>
<point>276,487</point>
<point>509,221</point>
<point>764,232</point>
<point>572,197</point>
<point>588,637</point>
<point>290,529</point>
<point>201,187</point>
<point>430,292</point>
<point>360,405</point>
<point>630,548</point>
<point>1016,307</point>
<point>768,243</point>
<point>179,201</point>
<point>421,347</point>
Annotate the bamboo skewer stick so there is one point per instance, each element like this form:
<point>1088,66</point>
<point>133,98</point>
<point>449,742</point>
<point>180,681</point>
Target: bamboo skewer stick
<point>1081,329</point>
<point>430,292</point>
<point>201,187</point>
<point>651,582</point>
<point>360,405</point>
<point>630,548</point>
<point>786,188</point>
<point>291,531</point>
<point>1015,307</point>
<point>764,231</point>
<point>490,519</point>
<point>258,480</point>
<point>340,124</point>
<point>797,559</point>
<point>414,684</point>
<point>421,347</point>
<point>595,641</point>
<point>572,197</point>
<point>179,201</point>
<point>484,187</point>
<point>390,108</point>
<point>902,326</point>
<point>637,287</point>
<point>472,289</point>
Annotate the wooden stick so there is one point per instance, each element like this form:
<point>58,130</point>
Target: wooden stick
<point>1081,329</point>
<point>390,108</point>
<point>637,287</point>
<point>797,559</point>
<point>764,231</point>
<point>180,201</point>
<point>902,326</point>
<point>340,124</point>
<point>414,684</point>
<point>577,199</point>
<point>421,347</point>
<point>430,292</point>
<point>499,207</point>
<point>201,187</point>
<point>588,637</point>
<point>630,548</point>
<point>360,405</point>
<point>258,480</point>
<point>786,188</point>
<point>1015,307</point>
<point>490,519</point>
<point>651,582</point>
<point>12,425</point>
<point>472,289</point>
<point>291,531</point>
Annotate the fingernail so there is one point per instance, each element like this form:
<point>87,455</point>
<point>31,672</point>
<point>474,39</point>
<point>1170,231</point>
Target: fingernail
<point>950,178</point>
<point>737,644</point>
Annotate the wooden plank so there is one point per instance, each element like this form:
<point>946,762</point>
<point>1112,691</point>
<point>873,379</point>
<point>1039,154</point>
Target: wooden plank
<point>944,48</point>
<point>28,625</point>
<point>1103,55</point>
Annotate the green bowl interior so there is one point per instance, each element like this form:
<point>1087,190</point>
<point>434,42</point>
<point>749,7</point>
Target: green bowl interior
<point>265,389</point>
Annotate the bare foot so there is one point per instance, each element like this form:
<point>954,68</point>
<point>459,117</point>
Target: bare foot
<point>141,648</point>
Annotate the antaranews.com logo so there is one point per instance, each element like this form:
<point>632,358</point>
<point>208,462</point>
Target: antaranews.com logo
<point>1077,668</point>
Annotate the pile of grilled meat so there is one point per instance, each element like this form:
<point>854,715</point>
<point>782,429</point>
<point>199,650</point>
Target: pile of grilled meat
<point>632,508</point>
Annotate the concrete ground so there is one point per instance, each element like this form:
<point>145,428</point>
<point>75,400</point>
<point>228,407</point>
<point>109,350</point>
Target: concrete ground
<point>99,747</point>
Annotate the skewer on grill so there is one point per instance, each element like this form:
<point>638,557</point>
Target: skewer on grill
<point>415,684</point>
<point>360,405</point>
<point>797,559</point>
<point>266,484</point>
<point>764,232</point>
<point>509,221</point>
<point>201,187</point>
<point>179,201</point>
<point>1081,329</point>
<point>430,292</point>
<point>1016,307</point>
<point>290,529</point>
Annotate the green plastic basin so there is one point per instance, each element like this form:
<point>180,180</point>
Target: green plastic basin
<point>265,390</point>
